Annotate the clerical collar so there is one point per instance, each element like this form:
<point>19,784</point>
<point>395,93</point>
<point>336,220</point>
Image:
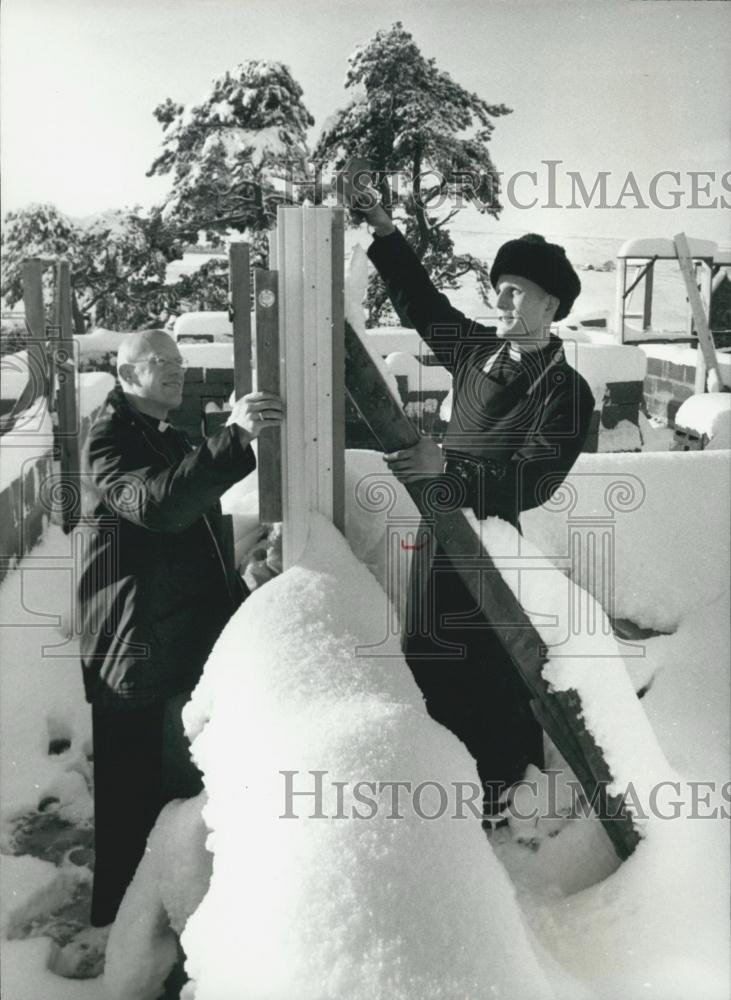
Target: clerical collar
<point>517,353</point>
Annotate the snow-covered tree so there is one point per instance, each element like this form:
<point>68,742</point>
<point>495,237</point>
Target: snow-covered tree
<point>118,263</point>
<point>414,123</point>
<point>236,154</point>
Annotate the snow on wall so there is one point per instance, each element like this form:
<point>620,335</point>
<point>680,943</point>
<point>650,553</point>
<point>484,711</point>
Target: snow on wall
<point>709,414</point>
<point>682,354</point>
<point>32,435</point>
<point>602,363</point>
<point>208,355</point>
<point>667,516</point>
<point>203,323</point>
<point>322,908</point>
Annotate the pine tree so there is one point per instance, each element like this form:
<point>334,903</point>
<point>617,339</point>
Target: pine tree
<point>235,155</point>
<point>118,263</point>
<point>412,121</point>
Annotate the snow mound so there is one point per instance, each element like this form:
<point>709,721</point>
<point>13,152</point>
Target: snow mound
<point>323,907</point>
<point>664,516</point>
<point>709,415</point>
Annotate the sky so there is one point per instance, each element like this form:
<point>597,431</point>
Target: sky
<point>600,85</point>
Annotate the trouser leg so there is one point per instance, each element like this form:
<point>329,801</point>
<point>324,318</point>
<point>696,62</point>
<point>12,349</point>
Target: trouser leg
<point>181,779</point>
<point>127,798</point>
<point>477,694</point>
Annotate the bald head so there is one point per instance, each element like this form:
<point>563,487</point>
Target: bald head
<point>143,344</point>
<point>151,372</point>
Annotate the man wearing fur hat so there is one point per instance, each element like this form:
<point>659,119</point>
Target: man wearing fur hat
<point>520,415</point>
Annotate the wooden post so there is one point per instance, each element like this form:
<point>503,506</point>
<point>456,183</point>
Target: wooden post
<point>269,442</point>
<point>559,713</point>
<point>35,323</point>
<point>240,296</point>
<point>620,286</point>
<point>68,417</point>
<point>706,354</point>
<point>338,366</point>
<point>647,305</point>
<point>311,456</point>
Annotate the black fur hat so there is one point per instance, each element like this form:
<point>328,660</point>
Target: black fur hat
<point>545,263</point>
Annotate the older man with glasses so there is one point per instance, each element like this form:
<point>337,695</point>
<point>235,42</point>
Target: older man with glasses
<point>157,587</point>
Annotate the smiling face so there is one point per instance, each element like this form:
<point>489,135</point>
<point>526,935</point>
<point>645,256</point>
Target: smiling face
<point>525,310</point>
<point>152,371</point>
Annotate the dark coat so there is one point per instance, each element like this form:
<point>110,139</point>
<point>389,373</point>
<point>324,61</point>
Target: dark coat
<point>158,581</point>
<point>510,442</point>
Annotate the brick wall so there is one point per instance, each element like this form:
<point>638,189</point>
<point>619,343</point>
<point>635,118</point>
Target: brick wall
<point>667,385</point>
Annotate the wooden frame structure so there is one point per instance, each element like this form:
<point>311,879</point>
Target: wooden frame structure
<point>646,252</point>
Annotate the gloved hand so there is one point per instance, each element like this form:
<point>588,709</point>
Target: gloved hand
<point>255,411</point>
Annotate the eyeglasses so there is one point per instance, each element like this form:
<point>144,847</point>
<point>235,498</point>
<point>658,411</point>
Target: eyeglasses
<point>157,361</point>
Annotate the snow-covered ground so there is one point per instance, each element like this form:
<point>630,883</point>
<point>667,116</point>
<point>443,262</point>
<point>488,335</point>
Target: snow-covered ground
<point>411,908</point>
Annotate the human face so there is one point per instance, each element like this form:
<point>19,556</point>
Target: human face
<point>158,376</point>
<point>525,310</point>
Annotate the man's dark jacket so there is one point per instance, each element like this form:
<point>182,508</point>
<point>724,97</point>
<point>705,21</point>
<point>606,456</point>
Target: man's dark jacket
<point>512,438</point>
<point>158,581</point>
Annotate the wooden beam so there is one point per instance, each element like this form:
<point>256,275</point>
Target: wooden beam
<point>269,442</point>
<point>338,367</point>
<point>240,298</point>
<point>647,304</point>
<point>619,301</point>
<point>706,360</point>
<point>35,323</point>
<point>295,478</point>
<point>559,713</point>
<point>68,415</point>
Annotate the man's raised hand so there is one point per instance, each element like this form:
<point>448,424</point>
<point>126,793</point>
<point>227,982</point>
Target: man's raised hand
<point>255,411</point>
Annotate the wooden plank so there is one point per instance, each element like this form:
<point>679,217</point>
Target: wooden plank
<point>338,366</point>
<point>317,372</point>
<point>269,442</point>
<point>706,346</point>
<point>68,417</point>
<point>295,479</point>
<point>619,306</point>
<point>35,322</point>
<point>273,249</point>
<point>240,297</point>
<point>560,713</point>
<point>647,304</point>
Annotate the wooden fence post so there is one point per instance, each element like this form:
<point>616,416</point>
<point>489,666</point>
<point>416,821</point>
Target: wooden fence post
<point>240,297</point>
<point>64,363</point>
<point>35,323</point>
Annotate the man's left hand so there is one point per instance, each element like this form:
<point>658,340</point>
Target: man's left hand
<point>423,459</point>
